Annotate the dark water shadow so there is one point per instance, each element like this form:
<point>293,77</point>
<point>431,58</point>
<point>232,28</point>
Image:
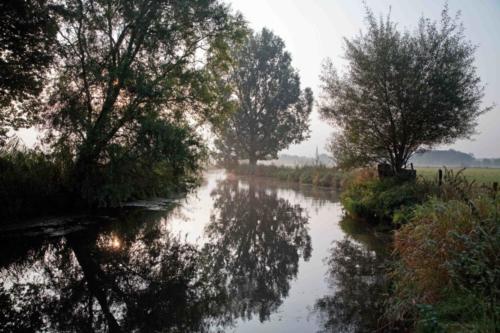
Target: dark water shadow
<point>127,276</point>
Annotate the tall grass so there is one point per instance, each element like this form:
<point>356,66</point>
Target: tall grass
<point>446,274</point>
<point>31,183</point>
<point>448,254</point>
<point>447,277</point>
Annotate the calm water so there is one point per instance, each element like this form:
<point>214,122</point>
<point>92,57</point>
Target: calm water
<point>237,255</point>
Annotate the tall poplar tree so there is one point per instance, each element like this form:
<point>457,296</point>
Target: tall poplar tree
<point>272,111</point>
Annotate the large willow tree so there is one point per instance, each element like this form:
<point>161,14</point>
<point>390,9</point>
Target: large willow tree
<point>402,91</point>
<point>272,111</point>
<point>133,77</point>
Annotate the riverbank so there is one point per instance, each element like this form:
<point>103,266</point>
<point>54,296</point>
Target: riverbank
<point>311,175</point>
<point>446,270</point>
<point>34,184</point>
<point>332,177</point>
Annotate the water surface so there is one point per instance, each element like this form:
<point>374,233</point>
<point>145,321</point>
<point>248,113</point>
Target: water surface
<point>236,255</point>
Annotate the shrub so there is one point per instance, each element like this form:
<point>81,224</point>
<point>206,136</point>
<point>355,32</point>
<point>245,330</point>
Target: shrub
<point>384,200</point>
<point>163,158</point>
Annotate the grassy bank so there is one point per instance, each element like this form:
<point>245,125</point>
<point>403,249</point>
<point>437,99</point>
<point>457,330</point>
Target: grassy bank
<point>447,272</point>
<point>332,177</point>
<point>390,200</point>
<point>310,175</point>
<point>446,268</point>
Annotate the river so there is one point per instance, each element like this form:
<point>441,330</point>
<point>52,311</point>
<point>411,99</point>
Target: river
<point>236,255</point>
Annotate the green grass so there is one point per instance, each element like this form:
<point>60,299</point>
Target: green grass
<point>479,175</point>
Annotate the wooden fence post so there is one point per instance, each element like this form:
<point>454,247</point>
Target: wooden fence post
<point>440,177</point>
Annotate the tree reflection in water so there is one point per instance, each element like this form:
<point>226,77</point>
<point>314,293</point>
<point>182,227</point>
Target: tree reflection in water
<point>358,283</point>
<point>133,275</point>
<point>257,239</point>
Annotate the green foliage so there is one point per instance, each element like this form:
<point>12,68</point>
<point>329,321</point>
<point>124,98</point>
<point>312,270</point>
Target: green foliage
<point>385,200</point>
<point>133,81</point>
<point>312,175</point>
<point>27,38</point>
<point>395,200</point>
<point>272,111</point>
<point>164,158</point>
<point>125,65</point>
<point>402,91</point>
<point>446,270</point>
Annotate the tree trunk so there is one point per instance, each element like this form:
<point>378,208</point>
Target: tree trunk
<point>401,172</point>
<point>398,166</point>
<point>85,173</point>
<point>92,272</point>
<point>252,161</point>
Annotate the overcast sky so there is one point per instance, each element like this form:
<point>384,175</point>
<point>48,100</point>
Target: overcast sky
<point>314,29</point>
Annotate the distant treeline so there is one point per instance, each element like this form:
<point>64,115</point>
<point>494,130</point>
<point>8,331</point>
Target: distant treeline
<point>295,160</point>
<point>452,158</point>
<point>437,158</point>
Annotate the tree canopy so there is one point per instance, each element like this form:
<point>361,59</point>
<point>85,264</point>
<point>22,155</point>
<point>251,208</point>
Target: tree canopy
<point>27,37</point>
<point>402,91</point>
<point>272,111</point>
<point>129,74</point>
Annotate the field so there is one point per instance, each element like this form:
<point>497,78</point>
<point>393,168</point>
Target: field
<point>480,175</point>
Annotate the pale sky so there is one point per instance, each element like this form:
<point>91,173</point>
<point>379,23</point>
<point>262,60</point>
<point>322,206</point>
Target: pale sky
<point>314,29</point>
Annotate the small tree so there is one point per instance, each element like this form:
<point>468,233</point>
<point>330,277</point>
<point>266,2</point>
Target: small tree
<point>272,111</point>
<point>403,91</point>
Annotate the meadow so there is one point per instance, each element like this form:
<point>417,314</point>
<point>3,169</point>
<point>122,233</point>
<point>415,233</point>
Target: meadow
<point>479,175</point>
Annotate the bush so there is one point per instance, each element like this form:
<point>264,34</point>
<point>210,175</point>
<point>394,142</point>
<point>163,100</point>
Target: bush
<point>384,200</point>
